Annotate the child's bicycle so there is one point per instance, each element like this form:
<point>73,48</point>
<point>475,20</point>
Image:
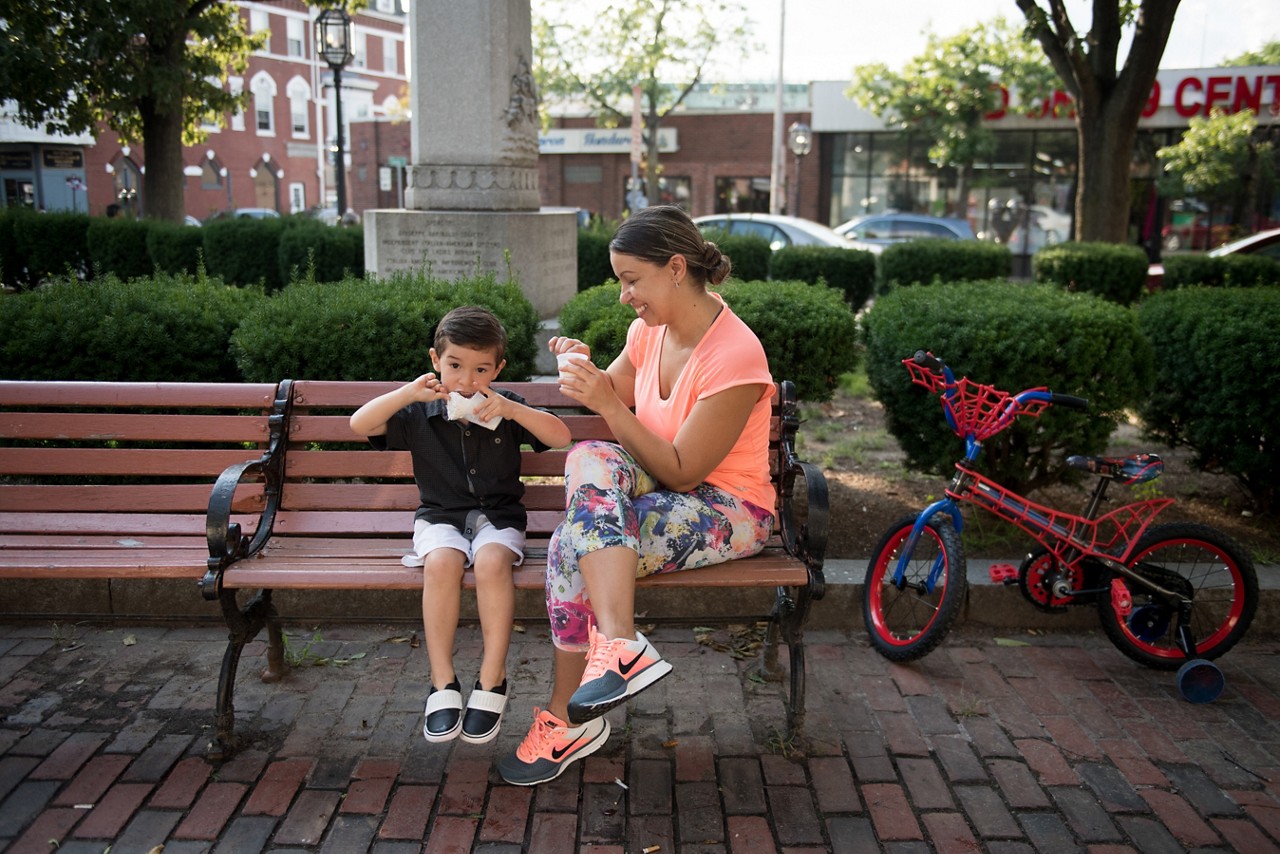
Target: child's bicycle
<point>1169,596</point>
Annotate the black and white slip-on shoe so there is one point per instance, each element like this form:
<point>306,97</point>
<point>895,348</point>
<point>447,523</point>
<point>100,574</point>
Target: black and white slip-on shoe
<point>443,713</point>
<point>483,717</point>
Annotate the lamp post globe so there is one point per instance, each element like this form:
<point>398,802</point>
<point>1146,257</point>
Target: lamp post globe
<point>333,44</point>
<point>800,141</point>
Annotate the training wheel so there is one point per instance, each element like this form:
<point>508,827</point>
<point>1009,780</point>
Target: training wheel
<point>1200,681</point>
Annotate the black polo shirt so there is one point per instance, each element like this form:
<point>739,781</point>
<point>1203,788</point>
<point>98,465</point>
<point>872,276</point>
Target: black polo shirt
<point>461,467</point>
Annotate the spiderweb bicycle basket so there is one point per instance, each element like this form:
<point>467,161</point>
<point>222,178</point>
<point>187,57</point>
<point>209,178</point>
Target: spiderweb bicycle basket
<point>976,409</point>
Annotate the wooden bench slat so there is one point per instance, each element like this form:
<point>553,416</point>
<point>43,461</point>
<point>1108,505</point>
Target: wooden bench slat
<point>391,496</point>
<point>89,542</point>
<point>326,394</point>
<point>162,395</point>
<point>138,498</point>
<point>120,461</point>
<point>149,427</point>
<point>337,428</point>
<point>126,525</point>
<point>103,563</point>
<point>371,464</point>
<point>380,522</point>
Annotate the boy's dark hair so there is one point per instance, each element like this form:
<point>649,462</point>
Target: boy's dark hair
<point>474,327</point>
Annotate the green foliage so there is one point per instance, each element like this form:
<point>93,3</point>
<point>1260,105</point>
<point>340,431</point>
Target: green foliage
<point>939,260</point>
<point>593,258</point>
<point>373,329</point>
<point>1117,272</point>
<point>1183,270</point>
<point>851,271</point>
<point>336,253</point>
<point>1268,54</point>
<point>54,243</point>
<point>1216,157</point>
<point>175,248</point>
<point>1233,271</point>
<point>118,247</point>
<point>245,251</point>
<point>166,329</point>
<point>596,318</point>
<point>751,255</point>
<point>13,258</point>
<point>808,332</point>
<point>1215,389</point>
<point>1011,336</point>
<point>1246,271</point>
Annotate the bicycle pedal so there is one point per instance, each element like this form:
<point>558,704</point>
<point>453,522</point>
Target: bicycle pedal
<point>1003,573</point>
<point>1121,599</point>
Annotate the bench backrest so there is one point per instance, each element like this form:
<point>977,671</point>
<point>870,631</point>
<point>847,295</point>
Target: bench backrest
<point>336,484</point>
<point>113,458</point>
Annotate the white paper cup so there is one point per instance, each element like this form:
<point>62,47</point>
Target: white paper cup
<point>563,359</point>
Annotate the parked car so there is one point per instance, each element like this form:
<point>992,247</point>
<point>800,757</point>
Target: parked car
<point>328,216</point>
<point>246,213</point>
<point>1265,243</point>
<point>884,229</point>
<point>1046,228</point>
<point>190,220</point>
<point>779,230</point>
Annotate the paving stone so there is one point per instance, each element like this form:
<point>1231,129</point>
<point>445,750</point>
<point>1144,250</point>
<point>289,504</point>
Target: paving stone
<point>890,812</point>
<point>553,833</point>
<point>1084,814</point>
<point>1111,788</point>
<point>348,833</point>
<point>988,813</point>
<point>650,791</point>
<point>871,761</point>
<point>1180,818</point>
<point>742,783</point>
<point>92,780</point>
<point>1149,836</point>
<point>154,762</point>
<point>793,815</point>
<point>13,770</point>
<point>24,803</point>
<point>701,818</point>
<point>51,825</point>
<point>113,811</point>
<point>949,832</point>
<point>308,818</point>
<point>647,831</point>
<point>1048,763</point>
<point>958,759</point>
<point>69,756</point>
<point>833,785</point>
<point>277,786</point>
<point>1196,786</point>
<point>211,812</point>
<point>246,833</point>
<point>750,834</point>
<point>852,834</point>
<point>408,812</point>
<point>1048,833</point>
<point>602,820</point>
<point>148,829</point>
<point>506,815</point>
<point>932,715</point>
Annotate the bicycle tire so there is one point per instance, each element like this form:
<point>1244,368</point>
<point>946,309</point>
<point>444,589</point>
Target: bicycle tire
<point>1209,565</point>
<point>906,624</point>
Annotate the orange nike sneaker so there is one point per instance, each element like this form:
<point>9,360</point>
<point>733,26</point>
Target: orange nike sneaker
<point>550,747</point>
<point>616,669</point>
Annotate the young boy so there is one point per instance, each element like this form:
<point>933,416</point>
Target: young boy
<point>465,441</point>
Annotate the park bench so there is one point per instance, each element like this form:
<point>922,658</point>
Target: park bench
<point>338,515</point>
<point>247,489</point>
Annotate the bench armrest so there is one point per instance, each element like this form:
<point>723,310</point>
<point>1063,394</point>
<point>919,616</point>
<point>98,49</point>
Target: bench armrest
<point>804,528</point>
<point>227,544</point>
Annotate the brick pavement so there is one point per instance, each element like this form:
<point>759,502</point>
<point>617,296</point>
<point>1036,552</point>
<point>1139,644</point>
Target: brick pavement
<point>1061,744</point>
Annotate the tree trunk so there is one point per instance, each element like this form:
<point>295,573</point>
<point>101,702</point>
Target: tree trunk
<point>1105,154</point>
<point>162,183</point>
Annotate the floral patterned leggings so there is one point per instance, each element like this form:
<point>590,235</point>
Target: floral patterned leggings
<point>614,502</point>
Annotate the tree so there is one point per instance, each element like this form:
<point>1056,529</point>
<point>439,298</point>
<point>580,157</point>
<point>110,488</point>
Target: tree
<point>151,70</point>
<point>1108,102</point>
<point>1268,54</point>
<point>1219,160</point>
<point>943,93</point>
<point>662,46</point>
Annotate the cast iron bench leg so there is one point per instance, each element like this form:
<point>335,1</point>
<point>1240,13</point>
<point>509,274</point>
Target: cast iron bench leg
<point>243,625</point>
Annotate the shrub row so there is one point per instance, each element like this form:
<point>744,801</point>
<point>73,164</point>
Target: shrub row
<point>808,331</point>
<point>931,261</point>
<point>1114,271</point>
<point>1232,271</point>
<point>36,247</point>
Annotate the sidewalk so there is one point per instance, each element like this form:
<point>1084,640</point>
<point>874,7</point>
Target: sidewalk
<point>1057,743</point>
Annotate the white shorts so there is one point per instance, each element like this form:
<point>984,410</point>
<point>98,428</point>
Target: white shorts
<point>428,537</point>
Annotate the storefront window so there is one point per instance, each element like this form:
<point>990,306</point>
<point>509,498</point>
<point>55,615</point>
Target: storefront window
<point>742,195</point>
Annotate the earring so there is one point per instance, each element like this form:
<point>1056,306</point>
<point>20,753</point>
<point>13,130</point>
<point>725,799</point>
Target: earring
<point>676,282</point>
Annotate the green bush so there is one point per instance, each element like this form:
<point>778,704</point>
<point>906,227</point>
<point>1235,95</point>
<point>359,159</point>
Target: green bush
<point>1247,271</point>
<point>851,271</point>
<point>119,247</point>
<point>1183,270</point>
<point>808,332</point>
<point>1115,271</point>
<point>373,329</point>
<point>1011,336</point>
<point>1215,388</point>
<point>175,248</point>
<point>13,260</point>
<point>750,253</point>
<point>938,260</point>
<point>54,244</point>
<point>336,253</point>
<point>593,258</point>
<point>244,251</point>
<point>166,329</point>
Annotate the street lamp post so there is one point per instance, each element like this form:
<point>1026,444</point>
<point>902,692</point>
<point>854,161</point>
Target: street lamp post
<point>333,40</point>
<point>800,140</point>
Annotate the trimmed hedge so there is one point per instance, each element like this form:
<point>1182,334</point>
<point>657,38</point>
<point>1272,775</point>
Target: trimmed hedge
<point>1012,336</point>
<point>938,260</point>
<point>1115,271</point>
<point>1215,389</point>
<point>167,329</point>
<point>373,329</point>
<point>1231,271</point>
<point>309,248</point>
<point>593,258</point>
<point>750,253</point>
<point>244,251</point>
<point>13,261</point>
<point>808,332</point>
<point>851,271</point>
<point>175,248</point>
<point>118,247</point>
<point>53,245</point>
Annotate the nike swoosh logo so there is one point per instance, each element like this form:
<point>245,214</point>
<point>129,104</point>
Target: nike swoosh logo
<point>557,753</point>
<point>624,667</point>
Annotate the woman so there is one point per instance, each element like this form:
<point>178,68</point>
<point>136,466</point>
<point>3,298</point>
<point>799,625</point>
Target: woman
<point>686,485</point>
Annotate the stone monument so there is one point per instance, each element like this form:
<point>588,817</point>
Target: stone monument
<point>472,191</point>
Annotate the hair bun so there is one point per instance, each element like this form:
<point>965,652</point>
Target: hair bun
<point>716,263</point>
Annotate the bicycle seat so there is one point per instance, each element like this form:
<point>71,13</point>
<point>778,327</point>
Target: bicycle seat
<point>1138,468</point>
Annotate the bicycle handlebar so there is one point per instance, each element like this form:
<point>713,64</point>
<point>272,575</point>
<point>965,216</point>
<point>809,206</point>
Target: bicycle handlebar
<point>1069,400</point>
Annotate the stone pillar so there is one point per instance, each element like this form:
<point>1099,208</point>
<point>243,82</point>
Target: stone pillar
<point>472,194</point>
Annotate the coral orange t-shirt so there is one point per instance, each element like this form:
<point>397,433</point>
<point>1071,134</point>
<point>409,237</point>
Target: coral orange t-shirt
<point>728,355</point>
